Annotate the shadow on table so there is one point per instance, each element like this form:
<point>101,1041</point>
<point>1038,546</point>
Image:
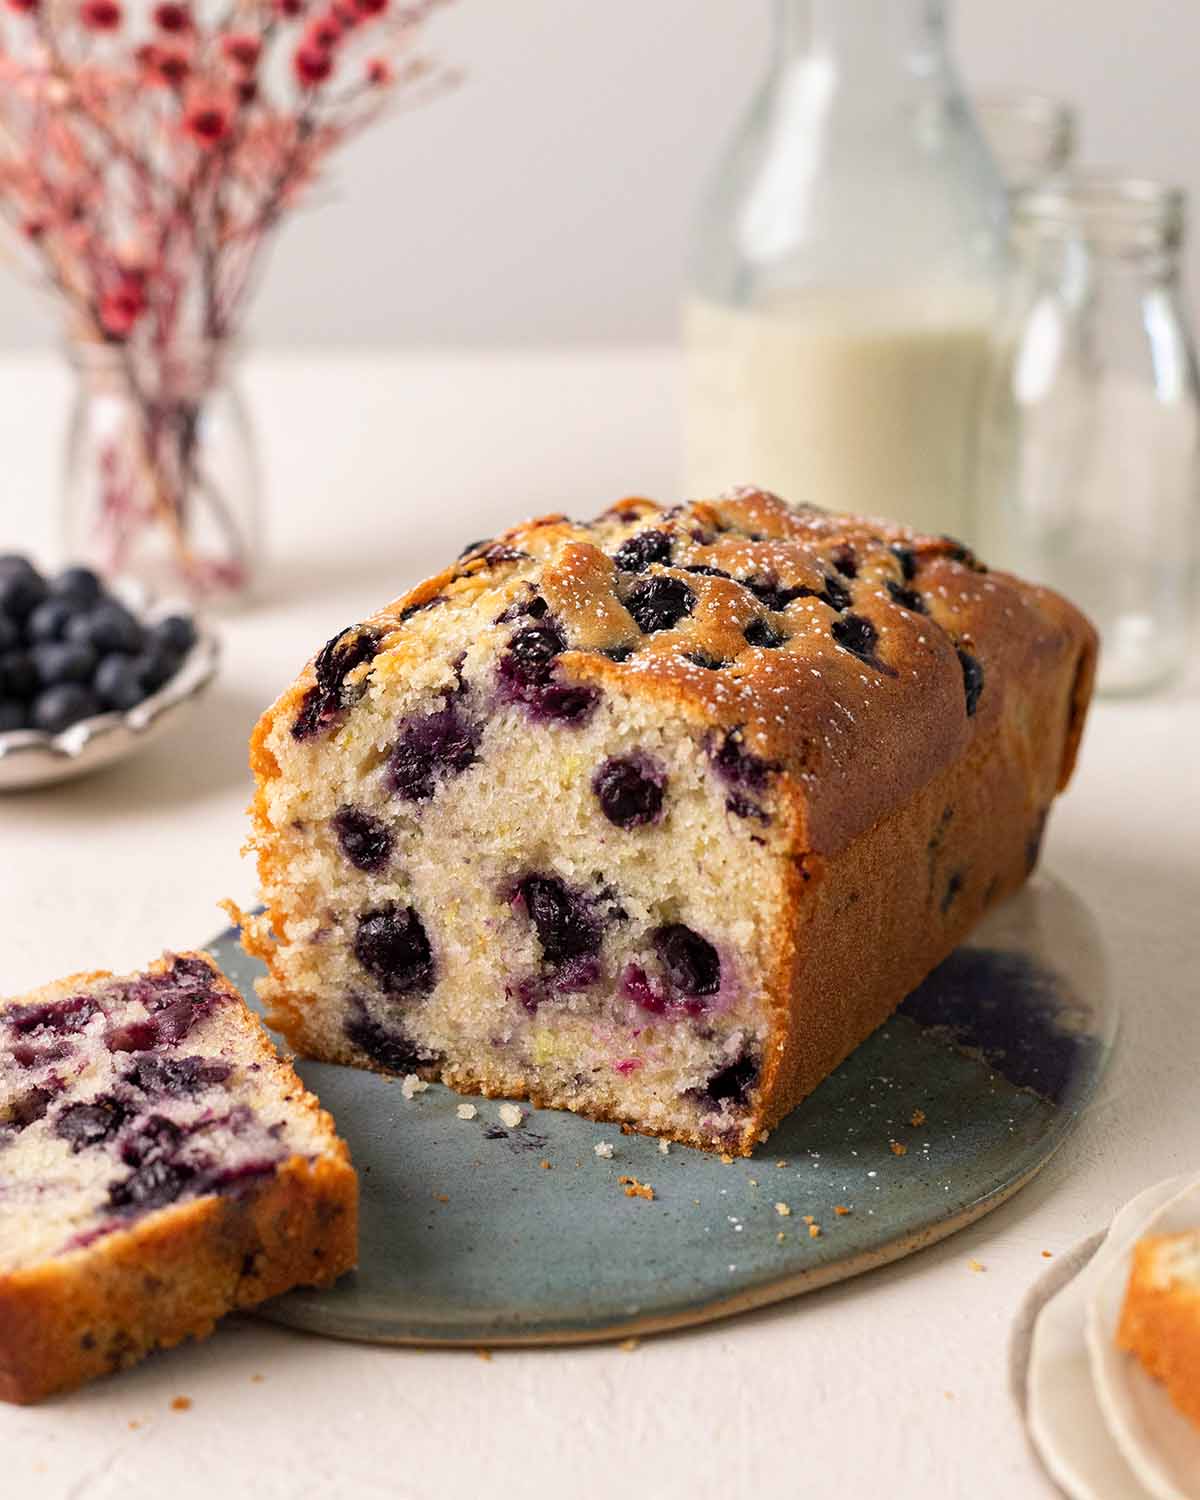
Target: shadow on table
<point>203,755</point>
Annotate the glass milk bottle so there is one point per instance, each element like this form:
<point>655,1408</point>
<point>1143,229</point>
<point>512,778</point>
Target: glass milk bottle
<point>846,273</point>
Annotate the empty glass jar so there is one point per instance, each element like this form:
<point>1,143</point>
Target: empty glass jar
<point>1090,471</point>
<point>846,273</point>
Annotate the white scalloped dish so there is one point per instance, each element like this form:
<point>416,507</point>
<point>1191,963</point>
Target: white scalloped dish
<point>33,758</point>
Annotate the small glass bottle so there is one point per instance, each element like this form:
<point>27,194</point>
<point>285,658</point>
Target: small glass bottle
<point>846,273</point>
<point>1090,441</point>
<point>1032,136</point>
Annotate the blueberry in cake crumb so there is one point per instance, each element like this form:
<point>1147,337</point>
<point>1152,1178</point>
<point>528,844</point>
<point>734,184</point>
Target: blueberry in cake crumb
<point>527,675</point>
<point>737,766</point>
<point>135,1188</point>
<point>392,946</point>
<point>630,790</point>
<point>387,1045</point>
<point>564,919</point>
<point>365,841</point>
<point>733,1082</point>
<point>856,634</point>
<point>704,660</point>
<point>637,553</point>
<point>702,570</point>
<point>90,1124</point>
<point>972,672</point>
<point>692,964</point>
<point>328,697</point>
<point>844,560</point>
<point>431,748</point>
<point>659,603</point>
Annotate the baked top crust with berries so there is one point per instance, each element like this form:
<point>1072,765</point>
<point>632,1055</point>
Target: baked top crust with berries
<point>817,736</point>
<point>856,655</point>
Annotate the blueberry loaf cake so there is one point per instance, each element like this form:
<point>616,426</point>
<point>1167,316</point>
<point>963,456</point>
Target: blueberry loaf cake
<point>657,817</point>
<point>159,1166</point>
<point>1160,1321</point>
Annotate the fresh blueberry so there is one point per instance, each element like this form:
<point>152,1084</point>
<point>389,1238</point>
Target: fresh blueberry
<point>763,633</point>
<point>563,918</point>
<point>90,1124</point>
<point>972,671</point>
<point>431,747</point>
<point>48,622</point>
<point>59,707</point>
<point>18,675</point>
<point>78,586</point>
<point>63,661</point>
<point>365,841</point>
<point>15,562</point>
<point>156,667</point>
<point>392,945</point>
<point>10,636</point>
<point>107,627</point>
<point>177,633</point>
<point>636,554</point>
<point>659,603</point>
<point>13,715</point>
<point>692,963</point>
<point>21,592</point>
<point>119,683</point>
<point>630,790</point>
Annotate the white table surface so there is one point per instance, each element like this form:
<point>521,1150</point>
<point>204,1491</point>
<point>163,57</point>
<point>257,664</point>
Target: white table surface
<point>892,1384</point>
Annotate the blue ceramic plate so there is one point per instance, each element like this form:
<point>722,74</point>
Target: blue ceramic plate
<point>475,1233</point>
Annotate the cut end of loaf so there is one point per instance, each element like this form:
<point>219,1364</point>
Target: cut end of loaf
<point>568,822</point>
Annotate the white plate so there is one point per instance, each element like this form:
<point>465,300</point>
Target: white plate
<point>1158,1442</point>
<point>1066,1421</point>
<point>30,757</point>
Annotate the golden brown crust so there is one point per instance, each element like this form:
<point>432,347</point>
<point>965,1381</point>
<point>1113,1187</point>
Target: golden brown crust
<point>944,737</point>
<point>1160,1321</point>
<point>172,1274</point>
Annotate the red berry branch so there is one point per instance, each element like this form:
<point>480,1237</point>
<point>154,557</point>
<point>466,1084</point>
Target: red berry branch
<point>144,163</point>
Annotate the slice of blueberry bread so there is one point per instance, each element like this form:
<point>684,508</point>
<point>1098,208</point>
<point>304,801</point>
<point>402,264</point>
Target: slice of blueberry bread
<point>656,817</point>
<point>159,1166</point>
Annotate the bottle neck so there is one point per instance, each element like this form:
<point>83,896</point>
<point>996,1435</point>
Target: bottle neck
<point>863,36</point>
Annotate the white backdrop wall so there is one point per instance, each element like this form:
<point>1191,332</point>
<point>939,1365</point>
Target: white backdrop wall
<point>548,199</point>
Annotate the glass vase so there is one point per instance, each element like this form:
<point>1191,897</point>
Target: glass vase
<point>161,478</point>
<point>846,272</point>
